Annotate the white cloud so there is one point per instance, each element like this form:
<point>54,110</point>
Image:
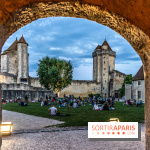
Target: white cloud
<point>83,72</point>
<point>65,58</point>
<point>129,67</point>
<point>54,48</point>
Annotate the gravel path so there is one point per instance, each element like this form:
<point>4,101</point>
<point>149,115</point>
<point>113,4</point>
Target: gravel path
<point>27,122</point>
<point>61,140</point>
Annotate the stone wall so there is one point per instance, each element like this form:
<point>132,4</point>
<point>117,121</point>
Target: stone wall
<point>35,82</point>
<point>12,91</point>
<point>118,79</point>
<point>81,88</point>
<point>128,91</point>
<point>136,88</point>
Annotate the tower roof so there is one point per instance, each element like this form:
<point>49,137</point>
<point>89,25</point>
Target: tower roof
<point>139,75</point>
<point>98,47</point>
<point>105,43</point>
<point>22,40</point>
<point>13,45</point>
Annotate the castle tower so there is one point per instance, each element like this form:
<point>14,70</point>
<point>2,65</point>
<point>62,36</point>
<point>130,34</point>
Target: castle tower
<point>103,64</point>
<point>22,56</point>
<point>9,59</point>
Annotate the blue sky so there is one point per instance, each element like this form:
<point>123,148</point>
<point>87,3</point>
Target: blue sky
<point>74,39</point>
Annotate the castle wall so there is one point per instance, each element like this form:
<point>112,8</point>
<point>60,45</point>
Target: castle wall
<point>118,80</point>
<point>4,63</point>
<point>12,62</point>
<point>35,82</point>
<point>7,79</point>
<point>112,63</point>
<point>81,88</point>
<point>12,91</point>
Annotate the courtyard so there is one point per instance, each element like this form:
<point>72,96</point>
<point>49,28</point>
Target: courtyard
<point>32,132</point>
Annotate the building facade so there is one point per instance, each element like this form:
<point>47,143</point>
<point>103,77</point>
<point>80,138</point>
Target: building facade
<point>137,89</point>
<point>14,76</point>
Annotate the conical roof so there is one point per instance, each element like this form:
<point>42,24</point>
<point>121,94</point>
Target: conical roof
<point>98,47</point>
<point>13,46</point>
<point>22,40</point>
<point>139,75</point>
<point>106,43</point>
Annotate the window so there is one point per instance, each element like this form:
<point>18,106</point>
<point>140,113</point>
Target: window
<point>104,62</point>
<point>139,94</point>
<point>139,82</point>
<point>104,68</point>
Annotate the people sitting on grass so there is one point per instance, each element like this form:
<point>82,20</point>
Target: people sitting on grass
<point>63,104</point>
<point>139,103</point>
<point>53,110</point>
<point>79,103</point>
<point>96,107</point>
<point>110,107</point>
<point>129,102</point>
<point>105,107</point>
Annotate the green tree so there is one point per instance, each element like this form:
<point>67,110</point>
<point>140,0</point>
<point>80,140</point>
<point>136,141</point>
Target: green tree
<point>54,74</point>
<point>127,80</point>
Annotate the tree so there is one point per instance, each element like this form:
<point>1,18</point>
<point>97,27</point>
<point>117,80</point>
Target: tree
<point>127,80</point>
<point>54,74</point>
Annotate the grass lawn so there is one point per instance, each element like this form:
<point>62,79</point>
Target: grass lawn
<point>84,114</point>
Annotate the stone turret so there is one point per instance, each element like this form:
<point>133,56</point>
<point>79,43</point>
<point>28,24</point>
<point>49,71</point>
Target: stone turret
<point>22,55</point>
<point>103,64</point>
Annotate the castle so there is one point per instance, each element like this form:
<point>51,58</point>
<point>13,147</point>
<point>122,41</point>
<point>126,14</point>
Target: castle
<point>14,76</point>
<point>15,79</point>
<point>106,80</point>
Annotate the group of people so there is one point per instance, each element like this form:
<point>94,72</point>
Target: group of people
<point>104,106</point>
<point>128,102</point>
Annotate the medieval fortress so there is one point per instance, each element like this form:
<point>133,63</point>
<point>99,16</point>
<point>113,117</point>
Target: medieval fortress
<point>15,79</point>
<point>14,76</point>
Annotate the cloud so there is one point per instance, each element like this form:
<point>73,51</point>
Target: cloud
<point>74,39</point>
<point>54,48</point>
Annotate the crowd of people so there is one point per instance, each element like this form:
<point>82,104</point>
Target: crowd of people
<point>75,102</point>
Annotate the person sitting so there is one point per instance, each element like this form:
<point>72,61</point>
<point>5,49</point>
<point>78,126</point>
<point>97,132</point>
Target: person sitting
<point>134,103</point>
<point>139,103</point>
<point>45,103</point>
<point>71,104</point>
<point>53,110</point>
<point>110,107</point>
<point>75,105</point>
<point>96,107</point>
<point>63,104</point>
<point>105,107</point>
<point>93,102</point>
<point>129,102</point>
<point>79,103</point>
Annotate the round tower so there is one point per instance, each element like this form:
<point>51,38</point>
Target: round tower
<point>22,57</point>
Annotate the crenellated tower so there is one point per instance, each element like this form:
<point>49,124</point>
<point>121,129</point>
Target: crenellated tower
<point>103,64</point>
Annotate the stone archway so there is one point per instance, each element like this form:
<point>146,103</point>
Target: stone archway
<point>133,34</point>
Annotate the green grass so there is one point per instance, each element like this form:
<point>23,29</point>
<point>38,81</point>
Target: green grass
<point>84,114</point>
